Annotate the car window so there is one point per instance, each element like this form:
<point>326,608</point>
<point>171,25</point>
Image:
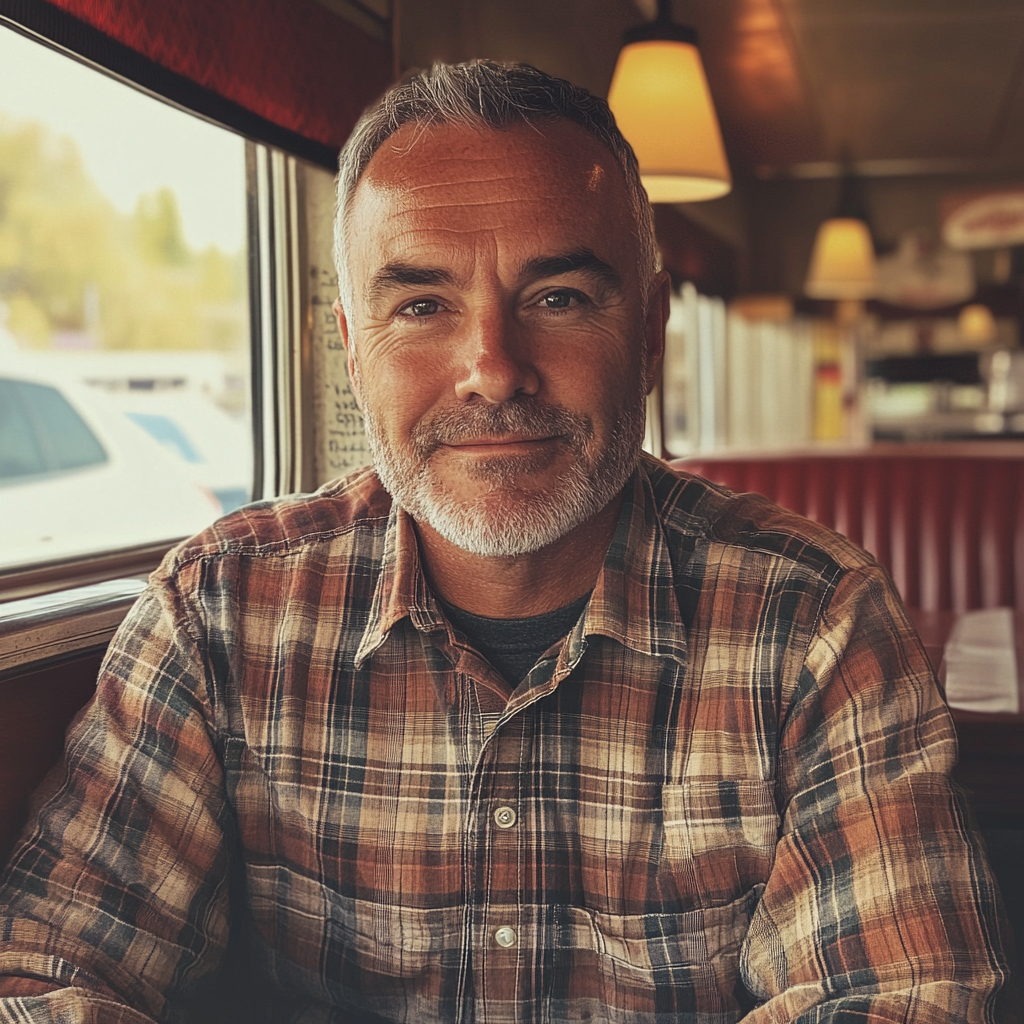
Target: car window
<point>65,438</point>
<point>20,453</point>
<point>167,432</point>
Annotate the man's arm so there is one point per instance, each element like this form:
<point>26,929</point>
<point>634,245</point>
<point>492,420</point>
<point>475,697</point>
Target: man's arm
<point>880,905</point>
<point>116,899</point>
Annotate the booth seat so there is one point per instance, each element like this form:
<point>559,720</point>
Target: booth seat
<point>946,520</point>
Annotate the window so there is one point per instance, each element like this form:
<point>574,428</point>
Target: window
<point>125,395</point>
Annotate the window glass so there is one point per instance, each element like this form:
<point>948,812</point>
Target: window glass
<point>63,434</point>
<point>20,454</point>
<point>167,432</point>
<point>124,336</point>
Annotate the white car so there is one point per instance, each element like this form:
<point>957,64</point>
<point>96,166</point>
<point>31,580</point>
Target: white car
<point>77,476</point>
<point>215,448</point>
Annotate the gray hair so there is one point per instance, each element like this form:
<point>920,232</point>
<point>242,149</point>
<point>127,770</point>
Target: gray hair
<point>486,94</point>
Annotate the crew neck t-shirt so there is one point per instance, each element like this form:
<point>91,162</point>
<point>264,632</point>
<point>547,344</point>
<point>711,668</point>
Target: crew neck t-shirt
<point>513,646</point>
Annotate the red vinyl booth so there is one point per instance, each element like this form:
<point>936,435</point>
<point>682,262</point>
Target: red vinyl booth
<point>946,520</point>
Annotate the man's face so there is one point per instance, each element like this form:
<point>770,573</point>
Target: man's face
<point>497,333</point>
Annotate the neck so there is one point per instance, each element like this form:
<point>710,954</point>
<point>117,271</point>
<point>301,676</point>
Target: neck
<point>512,588</point>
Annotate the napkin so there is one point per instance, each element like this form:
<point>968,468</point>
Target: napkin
<point>979,664</point>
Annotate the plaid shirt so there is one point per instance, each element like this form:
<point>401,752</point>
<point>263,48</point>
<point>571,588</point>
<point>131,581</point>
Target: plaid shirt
<point>724,793</point>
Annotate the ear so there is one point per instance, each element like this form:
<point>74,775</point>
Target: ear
<point>654,328</point>
<point>346,340</point>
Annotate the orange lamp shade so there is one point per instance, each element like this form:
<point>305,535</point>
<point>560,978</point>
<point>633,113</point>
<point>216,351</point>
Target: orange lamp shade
<point>660,98</point>
<point>843,261</point>
<point>976,325</point>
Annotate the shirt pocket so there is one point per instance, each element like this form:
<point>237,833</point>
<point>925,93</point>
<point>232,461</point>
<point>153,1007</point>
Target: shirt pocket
<point>303,923</point>
<point>720,834</point>
<point>392,941</point>
<point>671,964</point>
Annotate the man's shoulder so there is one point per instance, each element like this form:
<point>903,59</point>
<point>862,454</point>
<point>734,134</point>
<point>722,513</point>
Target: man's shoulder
<point>691,506</point>
<point>355,507</point>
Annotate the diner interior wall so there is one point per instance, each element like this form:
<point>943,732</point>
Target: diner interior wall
<point>574,39</point>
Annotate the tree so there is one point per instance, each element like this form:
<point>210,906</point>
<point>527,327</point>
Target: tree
<point>70,261</point>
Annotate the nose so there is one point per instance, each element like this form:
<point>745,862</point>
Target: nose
<point>498,363</point>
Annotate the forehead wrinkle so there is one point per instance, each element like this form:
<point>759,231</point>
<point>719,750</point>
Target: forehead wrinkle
<point>544,184</point>
<point>453,183</point>
<point>406,208</point>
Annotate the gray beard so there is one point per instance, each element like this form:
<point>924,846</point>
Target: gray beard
<point>506,522</point>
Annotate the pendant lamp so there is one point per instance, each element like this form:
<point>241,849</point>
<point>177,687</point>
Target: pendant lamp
<point>843,258</point>
<point>976,325</point>
<point>661,102</point>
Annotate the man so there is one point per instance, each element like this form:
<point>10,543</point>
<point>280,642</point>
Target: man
<point>556,734</point>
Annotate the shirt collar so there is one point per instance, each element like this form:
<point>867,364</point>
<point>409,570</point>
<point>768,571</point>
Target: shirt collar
<point>634,599</point>
<point>401,587</point>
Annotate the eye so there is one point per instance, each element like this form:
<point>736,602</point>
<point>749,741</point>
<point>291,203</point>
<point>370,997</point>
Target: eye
<point>563,298</point>
<point>420,307</point>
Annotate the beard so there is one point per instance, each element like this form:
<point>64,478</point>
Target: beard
<point>506,519</point>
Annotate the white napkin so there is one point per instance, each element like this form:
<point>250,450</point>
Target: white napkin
<point>980,664</point>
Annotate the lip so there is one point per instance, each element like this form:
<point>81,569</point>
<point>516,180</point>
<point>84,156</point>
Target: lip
<point>490,445</point>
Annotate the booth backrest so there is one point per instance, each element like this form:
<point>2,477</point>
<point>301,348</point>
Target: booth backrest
<point>947,521</point>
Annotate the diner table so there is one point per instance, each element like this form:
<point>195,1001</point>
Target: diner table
<point>991,765</point>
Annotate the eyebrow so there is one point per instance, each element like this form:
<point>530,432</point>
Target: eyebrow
<point>579,260</point>
<point>398,275</point>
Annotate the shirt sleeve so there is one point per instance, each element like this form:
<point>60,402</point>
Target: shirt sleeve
<point>116,897</point>
<point>880,906</point>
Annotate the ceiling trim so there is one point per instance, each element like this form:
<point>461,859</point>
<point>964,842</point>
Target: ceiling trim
<point>894,168</point>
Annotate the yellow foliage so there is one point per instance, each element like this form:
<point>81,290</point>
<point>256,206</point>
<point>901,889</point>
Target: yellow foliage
<point>27,321</point>
<point>61,238</point>
<point>10,250</point>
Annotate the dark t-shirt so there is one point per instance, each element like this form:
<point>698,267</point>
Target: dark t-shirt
<point>513,646</point>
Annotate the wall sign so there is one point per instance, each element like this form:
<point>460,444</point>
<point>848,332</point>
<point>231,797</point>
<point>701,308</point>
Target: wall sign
<point>988,220</point>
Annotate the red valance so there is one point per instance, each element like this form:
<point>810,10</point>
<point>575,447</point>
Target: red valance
<point>290,61</point>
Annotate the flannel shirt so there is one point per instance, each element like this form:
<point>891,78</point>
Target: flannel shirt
<point>724,795</point>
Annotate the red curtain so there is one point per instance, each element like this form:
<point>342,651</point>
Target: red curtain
<point>291,61</point>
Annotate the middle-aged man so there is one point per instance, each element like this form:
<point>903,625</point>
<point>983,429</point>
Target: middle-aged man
<point>523,726</point>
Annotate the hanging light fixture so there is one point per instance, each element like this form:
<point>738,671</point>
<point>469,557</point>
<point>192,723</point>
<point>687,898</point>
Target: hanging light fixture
<point>661,101</point>
<point>843,258</point>
<point>976,325</point>
<point>843,261</point>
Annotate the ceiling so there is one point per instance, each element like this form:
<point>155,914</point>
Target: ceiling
<point>900,87</point>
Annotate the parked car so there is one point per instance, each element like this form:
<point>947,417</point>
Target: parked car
<point>77,476</point>
<point>215,448</point>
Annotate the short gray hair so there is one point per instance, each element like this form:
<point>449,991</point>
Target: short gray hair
<point>486,94</point>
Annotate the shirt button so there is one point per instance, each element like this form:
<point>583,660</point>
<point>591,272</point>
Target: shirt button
<point>505,817</point>
<point>505,937</point>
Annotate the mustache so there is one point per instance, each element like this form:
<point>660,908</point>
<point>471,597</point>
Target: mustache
<point>521,415</point>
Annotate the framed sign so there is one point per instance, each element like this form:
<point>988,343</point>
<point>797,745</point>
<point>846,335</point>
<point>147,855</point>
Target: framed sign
<point>986,220</point>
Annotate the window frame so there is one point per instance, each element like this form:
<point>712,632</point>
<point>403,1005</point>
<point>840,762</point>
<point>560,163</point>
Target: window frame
<point>57,29</point>
<point>279,350</point>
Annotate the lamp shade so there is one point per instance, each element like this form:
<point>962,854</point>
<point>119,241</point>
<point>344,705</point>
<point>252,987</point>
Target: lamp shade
<point>843,261</point>
<point>976,325</point>
<point>661,102</point>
